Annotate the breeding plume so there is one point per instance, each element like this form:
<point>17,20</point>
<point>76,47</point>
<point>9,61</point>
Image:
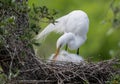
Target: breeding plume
<point>74,27</point>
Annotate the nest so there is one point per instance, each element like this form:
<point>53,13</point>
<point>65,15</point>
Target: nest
<point>68,73</point>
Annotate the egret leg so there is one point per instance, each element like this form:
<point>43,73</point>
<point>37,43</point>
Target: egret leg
<point>78,51</point>
<point>66,47</point>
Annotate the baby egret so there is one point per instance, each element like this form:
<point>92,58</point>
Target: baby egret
<point>67,57</point>
<point>74,26</point>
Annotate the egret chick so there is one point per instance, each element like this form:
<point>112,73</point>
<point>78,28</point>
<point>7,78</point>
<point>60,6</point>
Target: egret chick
<point>67,57</point>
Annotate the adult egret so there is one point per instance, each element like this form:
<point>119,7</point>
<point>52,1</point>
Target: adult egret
<point>74,26</point>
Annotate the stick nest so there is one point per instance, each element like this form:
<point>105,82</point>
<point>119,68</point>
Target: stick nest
<point>69,73</point>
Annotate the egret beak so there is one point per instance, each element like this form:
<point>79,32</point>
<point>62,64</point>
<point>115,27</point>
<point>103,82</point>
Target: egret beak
<point>56,54</point>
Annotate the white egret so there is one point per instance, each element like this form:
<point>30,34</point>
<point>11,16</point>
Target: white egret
<point>67,57</point>
<point>74,26</point>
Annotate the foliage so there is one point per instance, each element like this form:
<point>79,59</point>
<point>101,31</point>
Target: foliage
<point>7,24</point>
<point>116,14</point>
<point>3,78</point>
<point>40,15</point>
<point>9,18</point>
<point>115,79</point>
<point>112,41</point>
<point>17,30</point>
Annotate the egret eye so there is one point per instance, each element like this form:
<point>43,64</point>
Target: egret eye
<point>61,45</point>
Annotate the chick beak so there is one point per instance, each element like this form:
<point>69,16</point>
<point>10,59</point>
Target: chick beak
<point>56,54</point>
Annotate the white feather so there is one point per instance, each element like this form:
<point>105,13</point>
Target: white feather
<point>76,21</point>
<point>67,57</point>
<point>58,27</point>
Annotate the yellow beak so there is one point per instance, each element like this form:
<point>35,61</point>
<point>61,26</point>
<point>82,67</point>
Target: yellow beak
<point>56,54</point>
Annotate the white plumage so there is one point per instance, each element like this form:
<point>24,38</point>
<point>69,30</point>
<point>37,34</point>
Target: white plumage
<point>73,41</point>
<point>74,26</point>
<point>76,22</point>
<point>67,57</point>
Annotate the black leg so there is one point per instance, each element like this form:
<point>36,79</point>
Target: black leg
<point>66,47</point>
<point>78,51</point>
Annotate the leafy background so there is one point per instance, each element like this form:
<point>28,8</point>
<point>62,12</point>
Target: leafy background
<point>103,38</point>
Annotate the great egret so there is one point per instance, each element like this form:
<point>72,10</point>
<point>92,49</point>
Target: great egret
<point>74,26</point>
<point>67,57</point>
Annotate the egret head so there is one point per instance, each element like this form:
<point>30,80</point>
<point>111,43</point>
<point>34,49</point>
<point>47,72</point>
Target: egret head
<point>62,41</point>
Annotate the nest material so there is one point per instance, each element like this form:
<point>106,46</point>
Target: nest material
<point>68,73</point>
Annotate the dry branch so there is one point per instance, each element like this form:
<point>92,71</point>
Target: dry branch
<point>69,73</point>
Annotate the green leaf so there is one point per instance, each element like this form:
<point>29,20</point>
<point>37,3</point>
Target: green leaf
<point>11,19</point>
<point>37,44</point>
